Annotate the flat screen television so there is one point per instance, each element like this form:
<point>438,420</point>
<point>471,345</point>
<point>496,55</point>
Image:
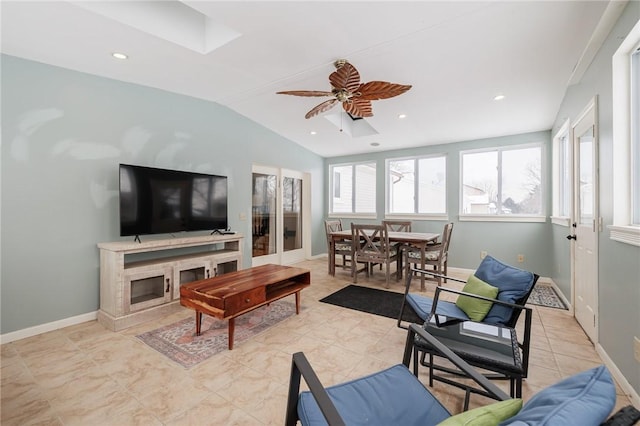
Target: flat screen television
<point>159,201</point>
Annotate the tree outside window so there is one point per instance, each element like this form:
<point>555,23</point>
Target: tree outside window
<point>502,181</point>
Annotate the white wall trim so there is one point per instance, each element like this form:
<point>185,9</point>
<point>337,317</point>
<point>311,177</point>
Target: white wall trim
<point>44,328</point>
<point>618,376</point>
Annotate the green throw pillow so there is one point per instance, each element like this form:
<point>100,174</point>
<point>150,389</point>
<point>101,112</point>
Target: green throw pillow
<point>489,415</point>
<point>476,309</point>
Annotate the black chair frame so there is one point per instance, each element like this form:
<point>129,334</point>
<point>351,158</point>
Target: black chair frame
<point>300,368</point>
<point>515,377</point>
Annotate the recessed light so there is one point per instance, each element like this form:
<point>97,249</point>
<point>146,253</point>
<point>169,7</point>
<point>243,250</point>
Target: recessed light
<point>375,144</point>
<point>498,97</point>
<point>401,116</point>
<point>118,55</point>
<point>313,132</point>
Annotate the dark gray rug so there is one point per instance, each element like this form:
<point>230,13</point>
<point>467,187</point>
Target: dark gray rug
<point>545,295</point>
<point>373,301</point>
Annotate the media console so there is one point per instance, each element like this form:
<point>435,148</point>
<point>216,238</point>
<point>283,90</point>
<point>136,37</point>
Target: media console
<point>141,281</point>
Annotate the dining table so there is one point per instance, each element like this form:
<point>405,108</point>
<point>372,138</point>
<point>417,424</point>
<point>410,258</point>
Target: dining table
<point>419,240</point>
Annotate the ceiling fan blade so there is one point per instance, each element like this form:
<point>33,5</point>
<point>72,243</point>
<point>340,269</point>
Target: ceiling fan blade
<point>305,93</point>
<point>345,77</point>
<point>375,90</point>
<point>325,106</point>
<point>358,107</point>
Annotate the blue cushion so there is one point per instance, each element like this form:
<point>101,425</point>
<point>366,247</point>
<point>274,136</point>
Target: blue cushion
<point>513,284</point>
<point>422,305</point>
<point>584,399</point>
<point>390,397</point>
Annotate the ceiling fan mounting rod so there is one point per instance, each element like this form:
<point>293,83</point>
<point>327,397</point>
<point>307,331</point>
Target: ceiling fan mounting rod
<point>339,63</point>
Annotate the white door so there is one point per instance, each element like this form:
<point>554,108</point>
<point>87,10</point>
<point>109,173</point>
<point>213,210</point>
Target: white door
<point>586,221</point>
<point>280,215</point>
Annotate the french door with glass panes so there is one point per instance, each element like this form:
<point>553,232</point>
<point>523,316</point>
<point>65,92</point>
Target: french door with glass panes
<point>279,216</point>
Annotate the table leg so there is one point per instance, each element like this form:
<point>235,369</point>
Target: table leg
<point>423,256</point>
<point>232,327</point>
<point>198,322</point>
<point>332,258</point>
<point>297,303</point>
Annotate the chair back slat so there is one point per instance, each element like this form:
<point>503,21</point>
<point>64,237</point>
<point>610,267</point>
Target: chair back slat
<point>397,225</point>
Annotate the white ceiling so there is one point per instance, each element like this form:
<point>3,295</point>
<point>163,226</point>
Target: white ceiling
<point>457,56</point>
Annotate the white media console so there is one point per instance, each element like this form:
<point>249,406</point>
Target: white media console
<point>140,281</point>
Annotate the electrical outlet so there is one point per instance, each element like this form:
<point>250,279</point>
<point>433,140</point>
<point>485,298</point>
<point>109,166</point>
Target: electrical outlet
<point>483,254</point>
<point>636,348</point>
<point>520,258</point>
<point>242,216</point>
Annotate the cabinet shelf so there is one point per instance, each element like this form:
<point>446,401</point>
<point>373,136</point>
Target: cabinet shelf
<point>135,290</point>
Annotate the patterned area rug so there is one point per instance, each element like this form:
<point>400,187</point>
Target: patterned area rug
<point>545,295</point>
<point>179,343</point>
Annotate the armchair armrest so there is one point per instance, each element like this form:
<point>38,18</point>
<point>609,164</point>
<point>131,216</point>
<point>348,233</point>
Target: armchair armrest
<point>300,367</point>
<point>436,275</point>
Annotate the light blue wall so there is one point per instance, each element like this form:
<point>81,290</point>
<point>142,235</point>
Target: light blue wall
<point>64,134</point>
<point>619,263</point>
<point>503,240</point>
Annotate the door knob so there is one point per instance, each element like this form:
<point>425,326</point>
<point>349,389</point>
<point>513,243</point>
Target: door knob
<point>571,237</point>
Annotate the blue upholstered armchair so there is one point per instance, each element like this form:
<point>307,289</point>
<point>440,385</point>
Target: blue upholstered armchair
<point>513,286</point>
<point>396,397</point>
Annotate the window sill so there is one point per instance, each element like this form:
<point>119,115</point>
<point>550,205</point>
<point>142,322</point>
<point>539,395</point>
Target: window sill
<point>353,215</point>
<point>625,234</point>
<point>501,218</point>
<point>408,216</point>
<point>560,220</point>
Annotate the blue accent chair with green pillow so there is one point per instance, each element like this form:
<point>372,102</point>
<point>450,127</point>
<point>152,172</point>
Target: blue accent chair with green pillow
<point>495,294</point>
<point>395,396</point>
<point>514,288</point>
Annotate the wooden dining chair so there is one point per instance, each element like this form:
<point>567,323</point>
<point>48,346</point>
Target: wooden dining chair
<point>398,226</point>
<point>436,255</point>
<point>342,247</point>
<point>370,245</point>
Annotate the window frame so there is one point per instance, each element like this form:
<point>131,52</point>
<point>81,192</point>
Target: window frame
<point>475,217</point>
<point>623,230</point>
<point>352,214</point>
<point>415,215</point>
<point>559,163</point>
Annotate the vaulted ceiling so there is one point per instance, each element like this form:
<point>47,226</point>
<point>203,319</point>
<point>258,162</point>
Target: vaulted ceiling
<point>456,55</point>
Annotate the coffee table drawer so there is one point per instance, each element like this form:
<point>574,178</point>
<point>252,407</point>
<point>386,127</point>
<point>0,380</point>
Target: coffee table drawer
<point>248,299</point>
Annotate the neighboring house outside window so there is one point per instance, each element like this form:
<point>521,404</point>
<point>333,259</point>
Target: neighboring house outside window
<point>353,189</point>
<point>417,186</point>
<point>626,140</point>
<point>503,183</point>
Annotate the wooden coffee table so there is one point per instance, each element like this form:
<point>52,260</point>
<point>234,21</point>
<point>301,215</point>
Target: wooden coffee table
<point>230,295</point>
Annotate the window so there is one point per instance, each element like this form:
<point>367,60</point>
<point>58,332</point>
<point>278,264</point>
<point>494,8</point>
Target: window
<point>562,176</point>
<point>626,140</point>
<point>502,182</point>
<point>417,186</point>
<point>353,188</point>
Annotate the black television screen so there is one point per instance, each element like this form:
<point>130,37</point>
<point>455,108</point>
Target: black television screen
<point>158,201</point>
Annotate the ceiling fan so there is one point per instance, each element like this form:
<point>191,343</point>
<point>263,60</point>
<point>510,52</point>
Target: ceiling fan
<point>356,97</point>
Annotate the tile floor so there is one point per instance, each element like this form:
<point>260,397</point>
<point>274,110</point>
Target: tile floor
<point>87,375</point>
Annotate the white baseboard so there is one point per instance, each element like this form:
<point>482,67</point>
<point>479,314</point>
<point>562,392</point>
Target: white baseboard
<point>44,328</point>
<point>619,377</point>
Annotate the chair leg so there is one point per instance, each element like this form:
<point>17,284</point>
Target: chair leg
<point>388,274</point>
